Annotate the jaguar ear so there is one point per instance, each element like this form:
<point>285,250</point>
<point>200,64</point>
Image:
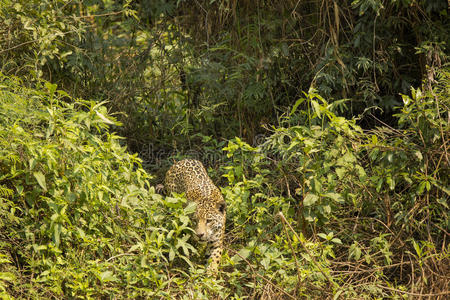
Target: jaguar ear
<point>222,206</point>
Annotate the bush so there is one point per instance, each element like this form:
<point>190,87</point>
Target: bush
<point>371,205</point>
<point>79,217</point>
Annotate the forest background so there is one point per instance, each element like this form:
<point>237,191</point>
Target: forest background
<point>324,122</point>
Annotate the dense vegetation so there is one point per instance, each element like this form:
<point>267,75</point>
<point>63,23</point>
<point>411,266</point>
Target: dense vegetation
<point>325,124</point>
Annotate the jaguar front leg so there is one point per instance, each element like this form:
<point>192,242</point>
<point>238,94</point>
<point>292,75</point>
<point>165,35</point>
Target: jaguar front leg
<point>216,255</point>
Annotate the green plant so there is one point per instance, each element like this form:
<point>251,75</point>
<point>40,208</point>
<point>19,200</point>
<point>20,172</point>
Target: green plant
<point>79,216</point>
<point>352,198</point>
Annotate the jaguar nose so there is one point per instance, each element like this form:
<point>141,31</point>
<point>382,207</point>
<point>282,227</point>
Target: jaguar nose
<point>201,235</point>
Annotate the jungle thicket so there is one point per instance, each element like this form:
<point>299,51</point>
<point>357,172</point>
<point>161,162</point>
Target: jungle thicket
<point>326,124</point>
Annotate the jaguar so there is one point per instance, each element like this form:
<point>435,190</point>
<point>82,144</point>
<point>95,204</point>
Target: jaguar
<point>189,176</point>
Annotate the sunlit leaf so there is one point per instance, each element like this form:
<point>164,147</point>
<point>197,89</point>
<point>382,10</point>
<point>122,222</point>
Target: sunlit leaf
<point>107,276</point>
<point>310,199</point>
<point>242,254</point>
<point>41,180</point>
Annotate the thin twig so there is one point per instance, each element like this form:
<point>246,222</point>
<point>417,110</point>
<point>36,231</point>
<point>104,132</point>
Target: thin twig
<point>93,16</point>
<point>367,270</point>
<point>440,126</point>
<point>119,255</point>
<point>413,294</point>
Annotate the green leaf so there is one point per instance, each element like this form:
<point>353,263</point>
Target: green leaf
<point>374,154</point>
<point>135,247</point>
<point>265,262</point>
<point>19,189</point>
<point>184,220</point>
<point>379,184</point>
<point>335,196</point>
<point>57,234</point>
<point>41,180</point>
<point>323,235</point>
<point>341,172</point>
<point>104,119</point>
<point>310,199</point>
<point>107,276</point>
<point>361,172</point>
<point>326,209</point>
<point>190,207</point>
<point>390,157</point>
<point>297,103</point>
<point>81,233</point>
<point>419,155</point>
<point>349,158</point>
<point>7,276</point>
<point>171,254</point>
<point>354,251</point>
<point>443,202</point>
<point>38,248</point>
<point>374,139</point>
<point>338,293</point>
<point>242,254</point>
<point>293,144</point>
<point>316,107</point>
<point>391,182</point>
<point>421,187</point>
<point>417,248</point>
<point>336,241</point>
<point>4,259</point>
<point>51,87</point>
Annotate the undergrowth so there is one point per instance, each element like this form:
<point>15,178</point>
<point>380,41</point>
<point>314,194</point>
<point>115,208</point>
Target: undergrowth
<point>361,214</point>
<point>319,210</point>
<point>79,218</point>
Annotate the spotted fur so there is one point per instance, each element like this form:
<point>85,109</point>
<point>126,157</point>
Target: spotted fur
<point>189,176</point>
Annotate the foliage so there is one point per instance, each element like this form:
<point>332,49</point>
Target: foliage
<point>368,198</point>
<point>78,215</point>
<point>220,68</point>
<point>264,54</point>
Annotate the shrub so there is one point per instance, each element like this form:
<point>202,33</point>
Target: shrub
<point>371,205</point>
<point>79,217</point>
